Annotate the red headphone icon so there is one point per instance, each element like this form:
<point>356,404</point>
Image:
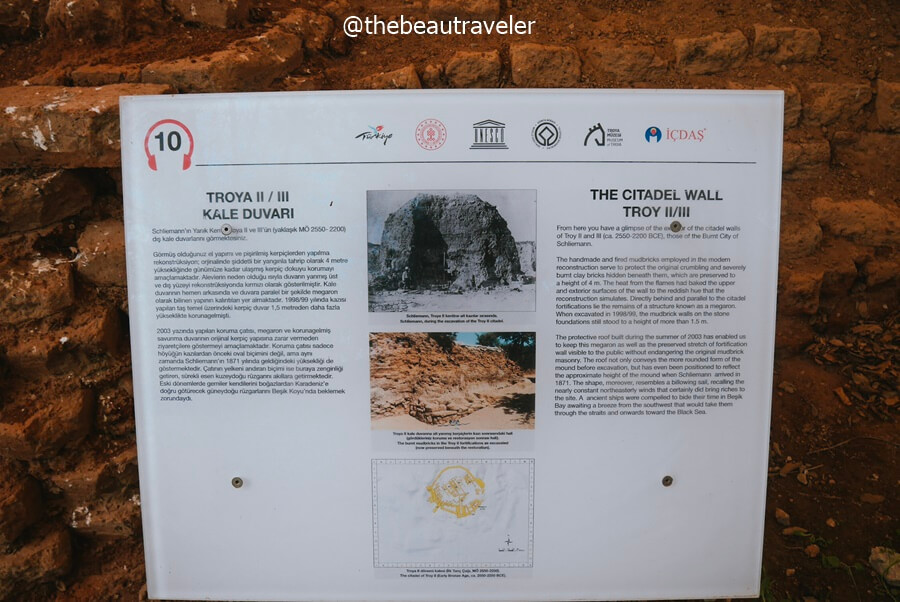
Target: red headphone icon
<point>151,158</point>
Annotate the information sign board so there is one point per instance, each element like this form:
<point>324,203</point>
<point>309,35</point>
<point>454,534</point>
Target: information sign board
<point>453,345</point>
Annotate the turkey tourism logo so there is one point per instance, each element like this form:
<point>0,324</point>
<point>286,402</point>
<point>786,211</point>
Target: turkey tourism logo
<point>375,132</point>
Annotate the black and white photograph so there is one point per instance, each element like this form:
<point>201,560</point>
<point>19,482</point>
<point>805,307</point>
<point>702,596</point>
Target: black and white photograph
<point>447,250</point>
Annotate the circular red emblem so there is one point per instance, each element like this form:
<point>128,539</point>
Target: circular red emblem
<point>431,134</point>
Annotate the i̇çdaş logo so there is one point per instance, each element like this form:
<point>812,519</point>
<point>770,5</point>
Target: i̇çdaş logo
<point>655,134</point>
<point>686,135</point>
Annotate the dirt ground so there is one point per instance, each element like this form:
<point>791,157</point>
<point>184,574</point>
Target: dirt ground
<point>834,457</point>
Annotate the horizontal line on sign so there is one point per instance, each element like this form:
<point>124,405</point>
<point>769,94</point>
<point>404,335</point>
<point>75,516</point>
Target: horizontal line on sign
<point>459,162</point>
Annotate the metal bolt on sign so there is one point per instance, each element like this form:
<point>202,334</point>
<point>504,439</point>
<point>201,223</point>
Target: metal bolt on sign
<point>237,482</point>
<point>676,226</point>
<point>667,481</point>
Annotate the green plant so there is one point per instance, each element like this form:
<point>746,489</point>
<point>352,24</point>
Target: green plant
<point>445,340</point>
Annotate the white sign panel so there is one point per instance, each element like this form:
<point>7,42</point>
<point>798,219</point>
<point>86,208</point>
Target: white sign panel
<point>453,345</point>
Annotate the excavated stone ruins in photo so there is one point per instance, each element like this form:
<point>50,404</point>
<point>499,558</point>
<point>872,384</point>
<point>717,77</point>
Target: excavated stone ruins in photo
<point>452,242</point>
<point>411,374</point>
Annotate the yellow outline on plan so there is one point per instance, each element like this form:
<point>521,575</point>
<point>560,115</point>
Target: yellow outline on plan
<point>458,491</point>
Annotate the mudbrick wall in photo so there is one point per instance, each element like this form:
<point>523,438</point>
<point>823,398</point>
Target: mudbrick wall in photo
<point>69,502</point>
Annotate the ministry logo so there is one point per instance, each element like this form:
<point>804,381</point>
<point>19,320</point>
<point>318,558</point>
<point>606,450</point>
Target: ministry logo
<point>545,133</point>
<point>375,132</point>
<point>489,134</point>
<point>431,134</point>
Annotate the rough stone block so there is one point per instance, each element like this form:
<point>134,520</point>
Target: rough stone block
<point>886,563</point>
<point>92,19</point>
<point>304,83</point>
<point>710,54</point>
<point>887,104</point>
<point>215,13</point>
<point>800,236</point>
<point>115,411</point>
<point>828,102</point>
<point>104,75</point>
<point>35,291</point>
<point>805,159</point>
<point>474,69</point>
<point>792,105</point>
<point>101,20</point>
<point>626,62</point>
<point>31,430</point>
<point>85,345</point>
<point>63,127</point>
<point>20,502</point>
<point>47,557</point>
<point>91,478</point>
<point>839,273</point>
<point>786,44</point>
<point>472,9</point>
<point>81,347</point>
<point>799,289</point>
<point>339,42</point>
<point>793,333</point>
<point>143,16</point>
<point>18,18</point>
<point>102,253</point>
<point>405,78</point>
<point>107,517</point>
<point>882,270</point>
<point>250,64</point>
<point>433,76</point>
<point>94,331</point>
<point>862,221</point>
<point>870,154</point>
<point>124,466</point>
<point>29,201</point>
<point>542,66</point>
<point>315,29</point>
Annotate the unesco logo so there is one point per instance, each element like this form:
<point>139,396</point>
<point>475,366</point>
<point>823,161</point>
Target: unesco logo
<point>653,133</point>
<point>545,133</point>
<point>489,134</point>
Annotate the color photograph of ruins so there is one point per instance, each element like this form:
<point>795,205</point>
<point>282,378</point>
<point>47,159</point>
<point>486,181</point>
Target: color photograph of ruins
<point>471,381</point>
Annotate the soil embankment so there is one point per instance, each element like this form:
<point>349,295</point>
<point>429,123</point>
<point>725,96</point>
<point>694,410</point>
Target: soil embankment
<point>413,375</point>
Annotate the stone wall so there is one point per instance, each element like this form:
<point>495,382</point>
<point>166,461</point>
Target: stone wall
<point>69,502</point>
<point>455,241</point>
